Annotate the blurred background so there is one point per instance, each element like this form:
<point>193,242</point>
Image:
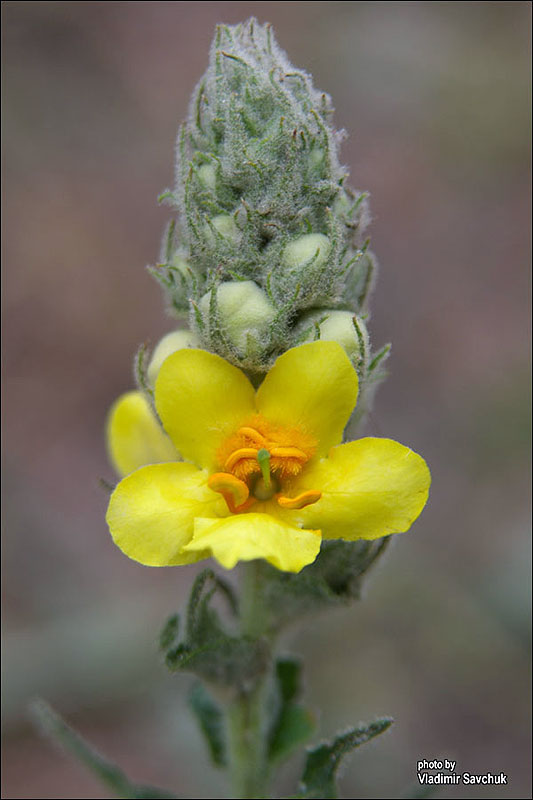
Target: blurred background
<point>435,98</point>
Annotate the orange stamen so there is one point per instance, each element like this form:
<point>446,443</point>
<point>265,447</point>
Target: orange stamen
<point>254,435</point>
<point>234,491</point>
<point>288,452</point>
<point>277,453</point>
<point>237,455</point>
<point>302,500</point>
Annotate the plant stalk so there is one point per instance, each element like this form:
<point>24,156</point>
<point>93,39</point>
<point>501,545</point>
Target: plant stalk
<point>246,714</point>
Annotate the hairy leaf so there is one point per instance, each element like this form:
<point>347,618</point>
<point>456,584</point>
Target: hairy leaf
<point>318,780</point>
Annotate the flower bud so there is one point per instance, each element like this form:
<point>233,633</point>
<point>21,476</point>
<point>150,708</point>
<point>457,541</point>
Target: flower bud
<point>312,247</point>
<point>178,262</point>
<point>261,198</point>
<point>317,158</point>
<point>207,176</point>
<point>175,340</point>
<point>244,312</point>
<point>342,205</point>
<point>337,326</point>
<point>225,225</point>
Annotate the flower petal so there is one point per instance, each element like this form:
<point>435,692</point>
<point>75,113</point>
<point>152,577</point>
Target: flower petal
<point>135,437</point>
<point>244,537</point>
<point>370,488</point>
<point>312,387</point>
<point>201,400</point>
<point>151,513</point>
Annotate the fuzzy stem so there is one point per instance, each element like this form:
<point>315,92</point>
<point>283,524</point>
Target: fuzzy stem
<point>246,715</point>
<point>252,613</point>
<point>247,745</point>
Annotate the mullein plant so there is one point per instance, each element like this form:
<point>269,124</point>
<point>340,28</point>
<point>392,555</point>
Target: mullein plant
<point>231,446</point>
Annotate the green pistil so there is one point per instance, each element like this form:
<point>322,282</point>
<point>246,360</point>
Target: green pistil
<point>263,459</point>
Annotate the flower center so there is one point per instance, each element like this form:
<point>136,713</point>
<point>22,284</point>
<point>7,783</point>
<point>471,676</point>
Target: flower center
<point>256,461</point>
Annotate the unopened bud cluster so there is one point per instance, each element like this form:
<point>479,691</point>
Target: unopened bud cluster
<point>267,249</point>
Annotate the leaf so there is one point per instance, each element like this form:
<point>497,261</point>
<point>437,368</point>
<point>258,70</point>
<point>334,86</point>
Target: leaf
<point>318,780</point>
<point>288,672</point>
<point>293,724</point>
<point>169,634</point>
<point>207,649</point>
<point>56,729</point>
<point>226,660</point>
<point>211,720</point>
<point>198,611</point>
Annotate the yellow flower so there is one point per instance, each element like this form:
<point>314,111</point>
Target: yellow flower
<point>134,436</point>
<point>265,475</point>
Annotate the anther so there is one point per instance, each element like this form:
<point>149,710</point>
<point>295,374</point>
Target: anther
<point>288,452</point>
<point>234,491</point>
<point>302,500</point>
<point>254,435</point>
<point>243,452</point>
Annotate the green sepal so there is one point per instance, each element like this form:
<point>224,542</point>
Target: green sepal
<point>377,361</point>
<point>360,277</point>
<point>375,374</point>
<point>211,721</point>
<point>322,762</point>
<point>207,649</point>
<point>166,196</point>
<point>342,565</point>
<point>55,728</point>
<point>334,579</point>
<point>293,725</point>
<point>139,372</point>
